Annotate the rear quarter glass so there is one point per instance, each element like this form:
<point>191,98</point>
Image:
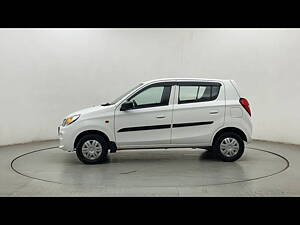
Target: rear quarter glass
<point>236,87</point>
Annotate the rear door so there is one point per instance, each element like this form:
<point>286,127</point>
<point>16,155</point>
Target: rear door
<point>198,112</point>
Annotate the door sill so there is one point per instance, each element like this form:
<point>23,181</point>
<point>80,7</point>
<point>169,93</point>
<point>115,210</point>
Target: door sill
<point>161,147</point>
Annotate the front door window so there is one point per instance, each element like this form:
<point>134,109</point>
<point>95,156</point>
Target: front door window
<point>151,97</point>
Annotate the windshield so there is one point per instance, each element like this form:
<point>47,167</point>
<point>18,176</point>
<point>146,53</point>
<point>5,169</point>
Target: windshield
<point>122,96</point>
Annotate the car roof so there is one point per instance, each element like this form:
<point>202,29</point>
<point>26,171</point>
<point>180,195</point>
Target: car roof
<point>182,79</point>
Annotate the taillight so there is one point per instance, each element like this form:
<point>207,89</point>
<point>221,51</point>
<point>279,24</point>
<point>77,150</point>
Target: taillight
<point>244,102</point>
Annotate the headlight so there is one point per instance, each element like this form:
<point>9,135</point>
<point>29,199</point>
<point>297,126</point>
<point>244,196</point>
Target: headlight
<point>70,120</point>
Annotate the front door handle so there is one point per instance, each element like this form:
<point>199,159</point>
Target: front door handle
<point>160,116</point>
<point>214,112</point>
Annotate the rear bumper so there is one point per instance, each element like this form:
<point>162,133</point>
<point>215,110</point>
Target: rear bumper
<point>249,138</point>
<point>248,130</point>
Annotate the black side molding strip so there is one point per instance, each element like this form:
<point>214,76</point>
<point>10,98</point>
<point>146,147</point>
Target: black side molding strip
<point>192,124</point>
<point>154,127</point>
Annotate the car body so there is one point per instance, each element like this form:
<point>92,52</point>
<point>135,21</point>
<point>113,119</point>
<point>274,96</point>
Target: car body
<point>162,113</point>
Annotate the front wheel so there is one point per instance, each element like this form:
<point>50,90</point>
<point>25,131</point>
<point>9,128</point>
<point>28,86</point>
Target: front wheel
<point>92,149</point>
<point>229,147</point>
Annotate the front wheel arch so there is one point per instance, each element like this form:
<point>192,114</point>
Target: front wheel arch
<point>89,132</point>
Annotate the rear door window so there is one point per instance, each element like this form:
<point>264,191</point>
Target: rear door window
<point>197,93</point>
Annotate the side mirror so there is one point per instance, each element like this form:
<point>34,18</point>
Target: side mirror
<point>126,106</point>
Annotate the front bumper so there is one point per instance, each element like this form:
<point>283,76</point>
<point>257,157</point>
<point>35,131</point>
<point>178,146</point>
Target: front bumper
<point>65,139</point>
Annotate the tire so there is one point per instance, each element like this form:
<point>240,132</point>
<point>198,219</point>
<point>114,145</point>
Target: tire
<point>229,147</point>
<point>95,154</point>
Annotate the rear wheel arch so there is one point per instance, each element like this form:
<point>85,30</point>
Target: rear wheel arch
<point>230,129</point>
<point>89,132</point>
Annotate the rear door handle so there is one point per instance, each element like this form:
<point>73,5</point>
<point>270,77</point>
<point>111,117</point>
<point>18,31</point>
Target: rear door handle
<point>160,116</point>
<point>214,112</point>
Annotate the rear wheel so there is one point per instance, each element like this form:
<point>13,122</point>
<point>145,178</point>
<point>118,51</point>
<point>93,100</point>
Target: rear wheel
<point>229,147</point>
<point>92,149</point>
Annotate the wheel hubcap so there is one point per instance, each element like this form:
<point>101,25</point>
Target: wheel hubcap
<point>229,147</point>
<point>91,149</point>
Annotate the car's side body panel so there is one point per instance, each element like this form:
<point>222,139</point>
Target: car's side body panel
<point>235,115</point>
<point>174,125</point>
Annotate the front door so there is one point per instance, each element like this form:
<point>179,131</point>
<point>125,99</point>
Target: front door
<point>149,122</point>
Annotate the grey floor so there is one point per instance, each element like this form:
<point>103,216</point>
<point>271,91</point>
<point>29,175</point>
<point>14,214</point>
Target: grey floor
<point>266,169</point>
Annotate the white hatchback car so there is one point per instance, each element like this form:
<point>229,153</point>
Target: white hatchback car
<point>164,113</point>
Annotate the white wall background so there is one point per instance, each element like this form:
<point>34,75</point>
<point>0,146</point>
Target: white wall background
<point>48,73</point>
